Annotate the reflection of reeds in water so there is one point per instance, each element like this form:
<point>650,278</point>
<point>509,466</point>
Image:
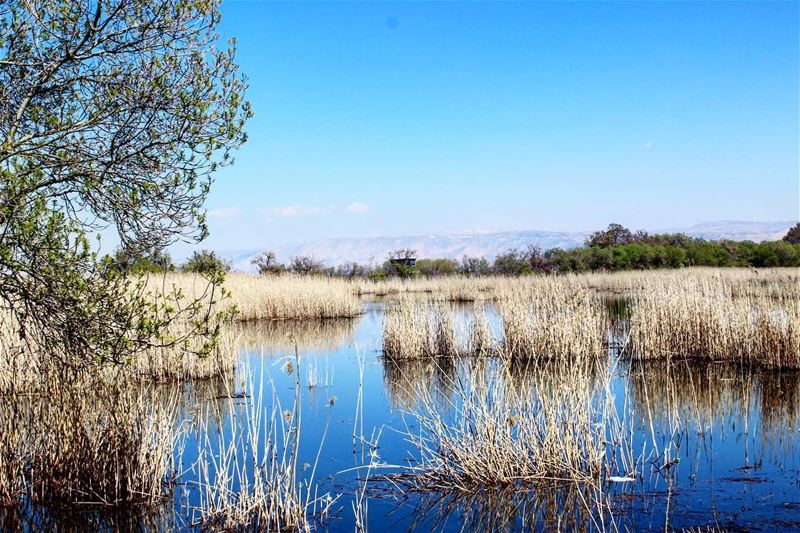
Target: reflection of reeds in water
<point>556,433</point>
<point>282,336</point>
<point>248,471</point>
<point>90,441</point>
<point>566,508</point>
<point>405,379</point>
<point>84,519</point>
<point>700,393</point>
<point>779,399</point>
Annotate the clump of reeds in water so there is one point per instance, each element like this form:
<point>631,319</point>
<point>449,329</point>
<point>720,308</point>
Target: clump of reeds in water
<point>248,471</point>
<point>552,320</point>
<point>704,319</point>
<point>85,440</point>
<point>288,297</point>
<point>19,357</point>
<point>414,328</point>
<point>497,435</point>
<point>481,339</point>
<point>185,360</point>
<point>27,363</point>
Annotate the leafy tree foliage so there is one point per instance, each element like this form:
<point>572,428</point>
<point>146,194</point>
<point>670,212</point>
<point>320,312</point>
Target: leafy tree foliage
<point>437,267</point>
<point>306,265</point>
<point>205,262</point>
<point>793,235</point>
<point>142,262</point>
<point>113,113</point>
<point>267,263</point>
<point>514,262</point>
<point>614,234</point>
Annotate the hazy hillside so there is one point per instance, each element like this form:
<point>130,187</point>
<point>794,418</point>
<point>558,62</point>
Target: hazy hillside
<point>336,251</point>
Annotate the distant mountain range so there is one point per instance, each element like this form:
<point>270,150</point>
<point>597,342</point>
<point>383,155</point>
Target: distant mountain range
<point>336,251</point>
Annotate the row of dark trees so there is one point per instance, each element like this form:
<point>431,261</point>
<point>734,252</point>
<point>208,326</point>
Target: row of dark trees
<point>613,249</point>
<point>153,261</point>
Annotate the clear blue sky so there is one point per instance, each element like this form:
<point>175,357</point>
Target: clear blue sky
<point>393,118</point>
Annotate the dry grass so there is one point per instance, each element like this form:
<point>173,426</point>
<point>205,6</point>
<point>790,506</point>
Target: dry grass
<point>252,482</point>
<point>289,297</point>
<point>710,318</point>
<point>453,288</point>
<point>552,320</point>
<point>413,329</point>
<point>24,363</point>
<point>773,283</point>
<point>549,319</point>
<point>182,362</point>
<point>90,442</point>
<point>481,338</point>
<point>559,431</point>
<point>744,315</point>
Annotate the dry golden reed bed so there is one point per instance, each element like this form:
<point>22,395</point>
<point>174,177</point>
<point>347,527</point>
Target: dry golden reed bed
<point>739,315</point>
<point>25,364</point>
<point>717,319</point>
<point>556,427</point>
<point>743,315</point>
<point>104,436</point>
<point>285,297</point>
<point>88,440</point>
<point>774,283</point>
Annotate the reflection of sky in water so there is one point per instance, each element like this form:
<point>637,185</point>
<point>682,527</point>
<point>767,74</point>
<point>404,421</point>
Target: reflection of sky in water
<point>735,433</point>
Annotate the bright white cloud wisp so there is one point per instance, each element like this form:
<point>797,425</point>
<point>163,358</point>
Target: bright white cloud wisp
<point>223,213</point>
<point>357,207</point>
<point>297,210</point>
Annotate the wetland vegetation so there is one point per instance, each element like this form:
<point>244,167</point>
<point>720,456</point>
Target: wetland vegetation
<point>642,382</point>
<point>535,401</point>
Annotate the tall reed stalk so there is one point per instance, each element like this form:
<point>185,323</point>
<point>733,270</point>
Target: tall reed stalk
<point>248,472</point>
<point>553,431</point>
<point>89,442</point>
<point>705,319</point>
<point>552,321</point>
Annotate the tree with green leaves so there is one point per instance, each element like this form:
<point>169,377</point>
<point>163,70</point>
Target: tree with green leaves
<point>205,262</point>
<point>267,263</point>
<point>114,117</point>
<point>793,235</point>
<point>614,234</point>
<point>142,261</point>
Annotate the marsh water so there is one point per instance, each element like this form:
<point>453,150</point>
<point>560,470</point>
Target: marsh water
<point>719,445</point>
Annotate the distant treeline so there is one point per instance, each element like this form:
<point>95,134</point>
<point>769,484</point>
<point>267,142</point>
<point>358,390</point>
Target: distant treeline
<point>613,249</point>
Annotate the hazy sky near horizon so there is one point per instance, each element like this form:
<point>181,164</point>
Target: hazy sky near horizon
<point>396,118</point>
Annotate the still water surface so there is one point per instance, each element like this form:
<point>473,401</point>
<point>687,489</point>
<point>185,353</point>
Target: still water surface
<point>732,436</point>
<point>721,444</point>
